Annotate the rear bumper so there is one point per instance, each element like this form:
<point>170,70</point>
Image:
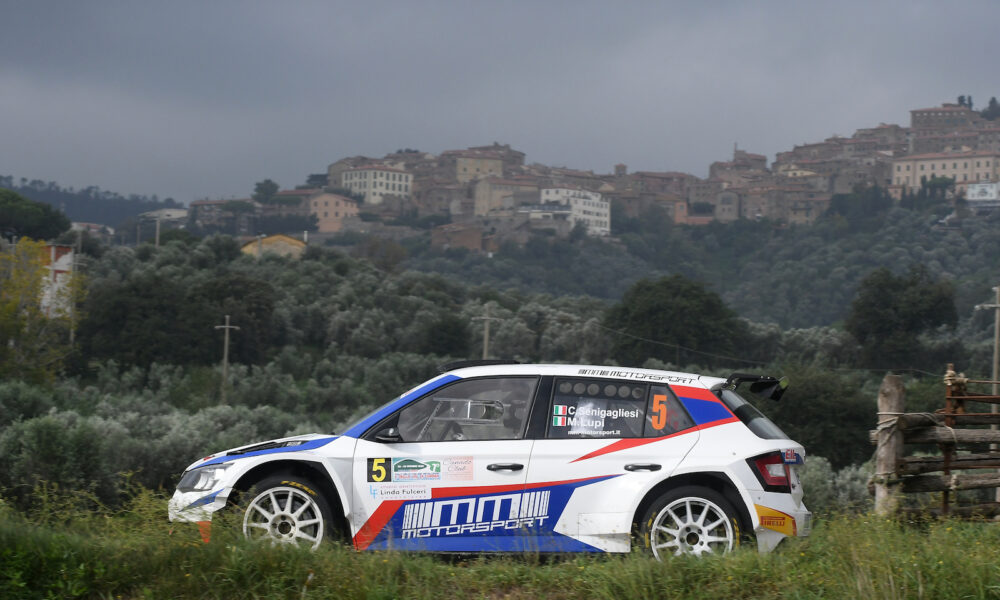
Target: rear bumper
<point>777,516</point>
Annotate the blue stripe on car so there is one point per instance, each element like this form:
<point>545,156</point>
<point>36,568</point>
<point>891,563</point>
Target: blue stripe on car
<point>309,445</point>
<point>705,411</point>
<point>371,420</point>
<point>203,500</point>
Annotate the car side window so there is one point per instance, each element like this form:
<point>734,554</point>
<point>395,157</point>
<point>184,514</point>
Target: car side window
<point>594,408</point>
<point>665,414</point>
<point>493,408</point>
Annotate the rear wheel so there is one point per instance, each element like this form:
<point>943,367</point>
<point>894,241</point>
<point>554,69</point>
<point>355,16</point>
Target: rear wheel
<point>287,509</point>
<point>690,520</point>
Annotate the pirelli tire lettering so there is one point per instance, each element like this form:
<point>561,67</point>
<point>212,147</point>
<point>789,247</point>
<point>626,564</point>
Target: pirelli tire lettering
<point>301,486</point>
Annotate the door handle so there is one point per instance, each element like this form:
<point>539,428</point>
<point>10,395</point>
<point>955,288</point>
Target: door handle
<point>504,467</point>
<point>642,467</point>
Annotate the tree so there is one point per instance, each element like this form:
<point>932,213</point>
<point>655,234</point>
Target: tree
<point>673,319</point>
<point>264,191</point>
<point>992,110</point>
<point>22,217</point>
<point>34,338</point>
<point>144,320</point>
<point>889,313</point>
<point>385,254</point>
<point>317,180</point>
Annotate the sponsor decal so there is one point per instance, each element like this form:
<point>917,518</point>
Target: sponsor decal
<point>775,520</point>
<point>384,470</point>
<point>399,491</point>
<point>458,468</point>
<point>410,469</point>
<point>476,515</point>
<point>476,518</point>
<point>636,376</point>
<point>793,458</point>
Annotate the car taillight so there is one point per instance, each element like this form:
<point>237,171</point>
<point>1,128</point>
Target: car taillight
<point>771,471</point>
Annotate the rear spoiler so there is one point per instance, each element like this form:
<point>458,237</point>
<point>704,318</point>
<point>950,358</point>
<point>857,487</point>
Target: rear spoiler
<point>764,385</point>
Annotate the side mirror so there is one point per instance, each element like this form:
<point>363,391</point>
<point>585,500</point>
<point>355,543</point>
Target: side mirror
<point>389,435</point>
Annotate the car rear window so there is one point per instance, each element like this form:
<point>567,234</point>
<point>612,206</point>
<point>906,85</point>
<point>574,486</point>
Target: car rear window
<point>754,420</point>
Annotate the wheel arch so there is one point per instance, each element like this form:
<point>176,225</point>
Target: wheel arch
<point>314,471</point>
<point>713,480</point>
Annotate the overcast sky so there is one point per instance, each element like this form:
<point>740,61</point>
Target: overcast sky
<point>202,99</point>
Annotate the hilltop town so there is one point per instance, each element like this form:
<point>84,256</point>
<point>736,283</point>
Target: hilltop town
<point>482,196</point>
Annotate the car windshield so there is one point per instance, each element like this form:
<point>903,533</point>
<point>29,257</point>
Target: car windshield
<point>365,415</point>
<point>751,417</point>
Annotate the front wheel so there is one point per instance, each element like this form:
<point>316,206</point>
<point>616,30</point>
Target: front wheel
<point>690,520</point>
<point>287,509</point>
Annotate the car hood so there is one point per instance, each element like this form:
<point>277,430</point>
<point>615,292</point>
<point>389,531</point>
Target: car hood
<point>295,443</point>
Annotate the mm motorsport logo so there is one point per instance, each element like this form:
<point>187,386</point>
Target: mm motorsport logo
<point>475,515</point>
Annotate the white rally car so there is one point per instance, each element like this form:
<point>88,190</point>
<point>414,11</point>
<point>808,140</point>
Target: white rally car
<point>539,458</point>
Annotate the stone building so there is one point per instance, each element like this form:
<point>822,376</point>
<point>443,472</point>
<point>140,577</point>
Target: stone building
<point>377,181</point>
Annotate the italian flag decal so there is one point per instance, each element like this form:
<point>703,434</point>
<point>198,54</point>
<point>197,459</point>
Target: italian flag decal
<point>559,409</point>
<point>558,421</point>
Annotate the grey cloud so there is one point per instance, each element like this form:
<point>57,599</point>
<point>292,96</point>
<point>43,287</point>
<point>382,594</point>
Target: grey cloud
<point>195,99</point>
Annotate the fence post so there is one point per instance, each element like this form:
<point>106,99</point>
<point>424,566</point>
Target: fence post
<point>889,450</point>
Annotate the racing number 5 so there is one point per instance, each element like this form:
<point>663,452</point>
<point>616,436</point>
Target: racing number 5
<point>377,471</point>
<point>659,416</point>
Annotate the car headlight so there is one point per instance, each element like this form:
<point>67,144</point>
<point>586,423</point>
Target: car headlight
<point>202,479</point>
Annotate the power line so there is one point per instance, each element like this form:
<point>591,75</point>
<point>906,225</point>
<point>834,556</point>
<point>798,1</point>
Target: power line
<point>757,362</point>
<point>678,346</point>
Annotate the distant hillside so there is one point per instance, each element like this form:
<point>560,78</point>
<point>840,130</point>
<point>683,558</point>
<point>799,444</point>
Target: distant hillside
<point>88,205</point>
<point>795,276</point>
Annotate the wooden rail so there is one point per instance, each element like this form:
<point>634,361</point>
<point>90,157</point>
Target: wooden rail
<point>961,448</point>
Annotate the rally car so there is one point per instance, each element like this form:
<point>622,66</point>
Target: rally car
<point>538,458</point>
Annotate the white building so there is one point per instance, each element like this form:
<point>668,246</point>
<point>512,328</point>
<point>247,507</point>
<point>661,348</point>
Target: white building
<point>56,298</point>
<point>375,182</point>
<point>585,206</point>
<point>983,196</point>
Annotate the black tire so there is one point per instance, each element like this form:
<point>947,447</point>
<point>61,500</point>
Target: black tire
<point>287,509</point>
<point>690,520</point>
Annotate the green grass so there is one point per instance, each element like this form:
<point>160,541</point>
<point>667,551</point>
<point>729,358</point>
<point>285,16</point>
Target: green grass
<point>69,547</point>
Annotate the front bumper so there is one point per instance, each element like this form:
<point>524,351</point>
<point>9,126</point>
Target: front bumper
<point>196,507</point>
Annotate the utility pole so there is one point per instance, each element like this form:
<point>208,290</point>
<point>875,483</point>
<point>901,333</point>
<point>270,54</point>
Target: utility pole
<point>486,330</point>
<point>225,358</point>
<point>78,247</point>
<point>996,358</point>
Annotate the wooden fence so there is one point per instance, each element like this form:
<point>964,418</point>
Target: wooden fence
<point>958,433</point>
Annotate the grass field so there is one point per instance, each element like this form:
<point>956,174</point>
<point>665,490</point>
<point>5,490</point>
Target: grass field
<point>70,548</point>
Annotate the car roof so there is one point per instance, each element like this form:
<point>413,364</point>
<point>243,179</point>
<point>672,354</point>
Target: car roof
<point>650,375</point>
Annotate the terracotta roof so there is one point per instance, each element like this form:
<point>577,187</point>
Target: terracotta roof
<point>376,168</point>
<point>952,108</point>
<point>521,182</point>
<point>490,154</point>
<point>933,155</point>
<point>218,202</point>
<point>663,174</point>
